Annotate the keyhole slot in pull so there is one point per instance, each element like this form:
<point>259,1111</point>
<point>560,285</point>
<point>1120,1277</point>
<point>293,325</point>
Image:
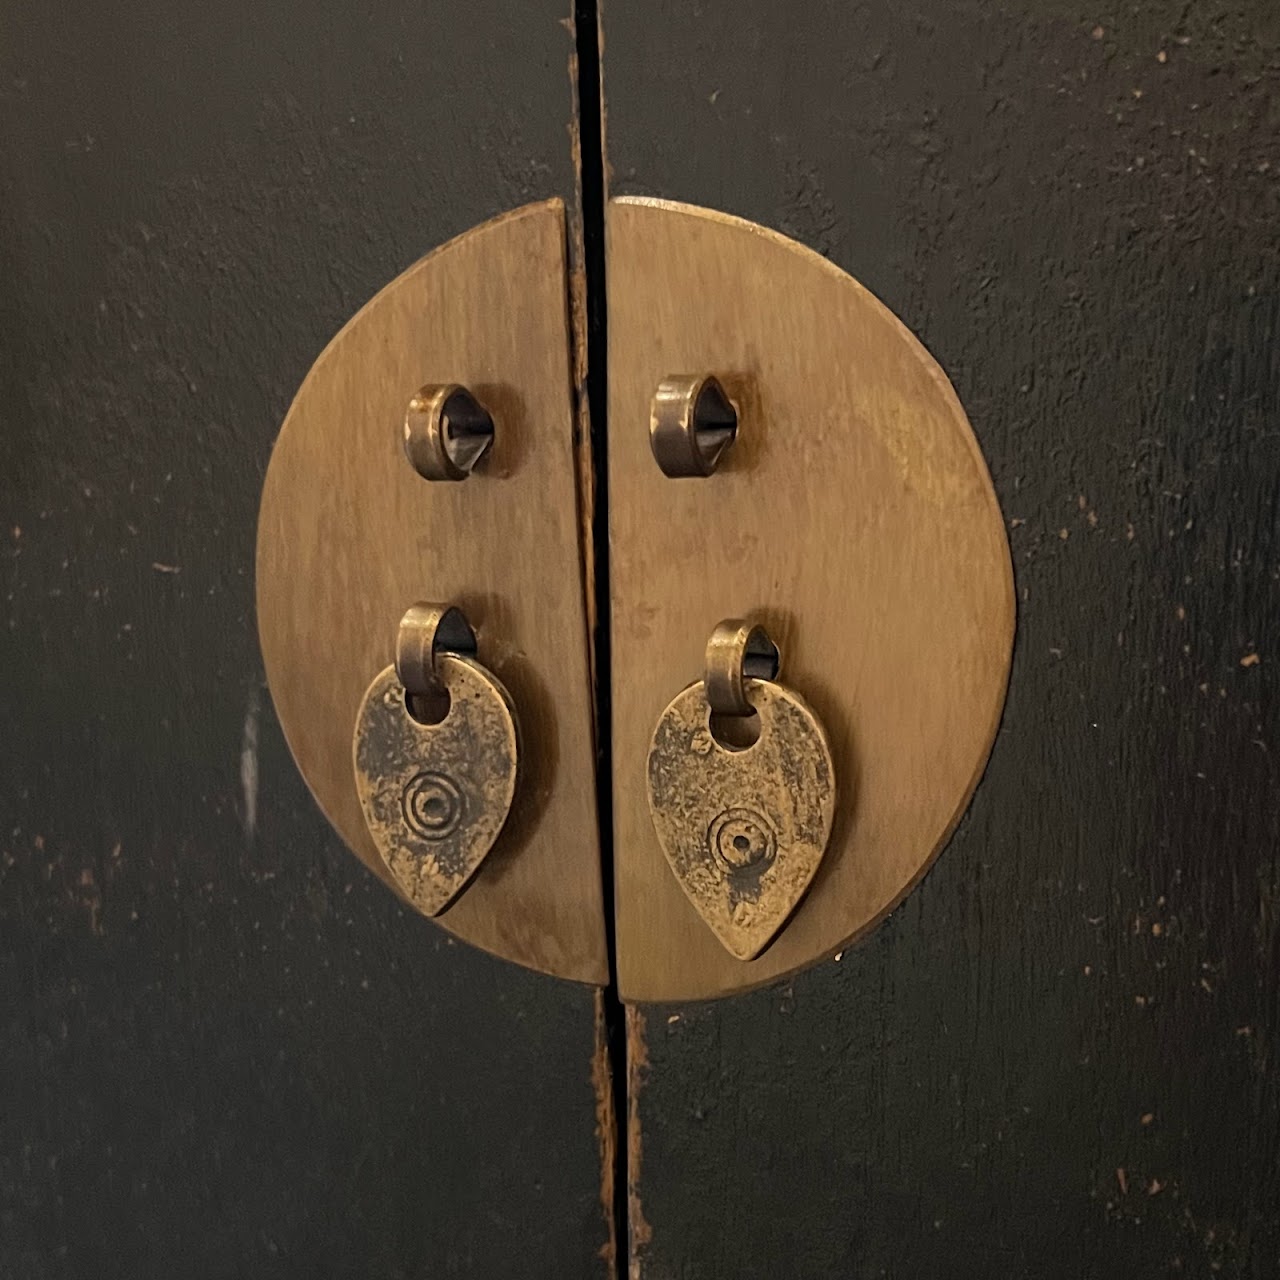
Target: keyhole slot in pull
<point>735,733</point>
<point>430,708</point>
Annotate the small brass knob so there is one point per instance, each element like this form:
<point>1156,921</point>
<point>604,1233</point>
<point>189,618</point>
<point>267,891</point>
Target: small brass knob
<point>446,432</point>
<point>691,424</point>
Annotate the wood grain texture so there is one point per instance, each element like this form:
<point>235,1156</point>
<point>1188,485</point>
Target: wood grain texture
<point>1061,1056</point>
<point>350,536</point>
<point>227,1050</point>
<point>853,516</point>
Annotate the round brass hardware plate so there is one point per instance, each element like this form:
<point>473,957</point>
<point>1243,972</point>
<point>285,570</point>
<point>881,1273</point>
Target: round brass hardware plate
<point>854,517</point>
<point>350,535</point>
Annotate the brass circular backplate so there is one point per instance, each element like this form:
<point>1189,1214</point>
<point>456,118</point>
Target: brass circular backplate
<point>854,517</point>
<point>350,535</point>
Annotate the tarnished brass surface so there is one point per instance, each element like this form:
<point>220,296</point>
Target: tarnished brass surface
<point>853,516</point>
<point>435,796</point>
<point>349,533</point>
<point>744,829</point>
<point>736,652</point>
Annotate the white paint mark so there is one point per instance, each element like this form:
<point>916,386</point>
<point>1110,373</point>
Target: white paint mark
<point>249,765</point>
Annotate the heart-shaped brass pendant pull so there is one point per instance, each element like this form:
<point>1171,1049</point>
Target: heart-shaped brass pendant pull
<point>744,826</point>
<point>435,752</point>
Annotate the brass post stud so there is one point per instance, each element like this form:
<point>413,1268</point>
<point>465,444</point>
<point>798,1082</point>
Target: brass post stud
<point>691,424</point>
<point>446,432</point>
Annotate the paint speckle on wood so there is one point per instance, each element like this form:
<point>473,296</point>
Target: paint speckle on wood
<point>1098,274</point>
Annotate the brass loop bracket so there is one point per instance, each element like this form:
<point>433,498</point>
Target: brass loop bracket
<point>425,631</point>
<point>446,432</point>
<point>736,652</point>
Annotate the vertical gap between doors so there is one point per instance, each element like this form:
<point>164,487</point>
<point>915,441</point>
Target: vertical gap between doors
<point>593,319</point>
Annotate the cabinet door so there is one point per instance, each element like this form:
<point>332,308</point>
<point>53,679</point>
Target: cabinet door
<point>1058,1058</point>
<point>227,1050</point>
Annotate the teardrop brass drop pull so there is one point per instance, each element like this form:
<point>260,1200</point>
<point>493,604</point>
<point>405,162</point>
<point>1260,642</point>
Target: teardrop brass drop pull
<point>435,751</point>
<point>743,824</point>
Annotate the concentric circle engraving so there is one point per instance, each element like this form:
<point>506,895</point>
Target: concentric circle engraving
<point>432,805</point>
<point>742,840</point>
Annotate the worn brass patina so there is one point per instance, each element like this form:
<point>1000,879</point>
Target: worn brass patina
<point>465,363</point>
<point>743,825</point>
<point>435,760</point>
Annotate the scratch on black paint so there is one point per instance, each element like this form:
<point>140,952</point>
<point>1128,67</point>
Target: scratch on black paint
<point>249,765</point>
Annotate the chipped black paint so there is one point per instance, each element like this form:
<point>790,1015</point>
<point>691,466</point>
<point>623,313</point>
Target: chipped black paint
<point>226,1050</point>
<point>1059,1057</point>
